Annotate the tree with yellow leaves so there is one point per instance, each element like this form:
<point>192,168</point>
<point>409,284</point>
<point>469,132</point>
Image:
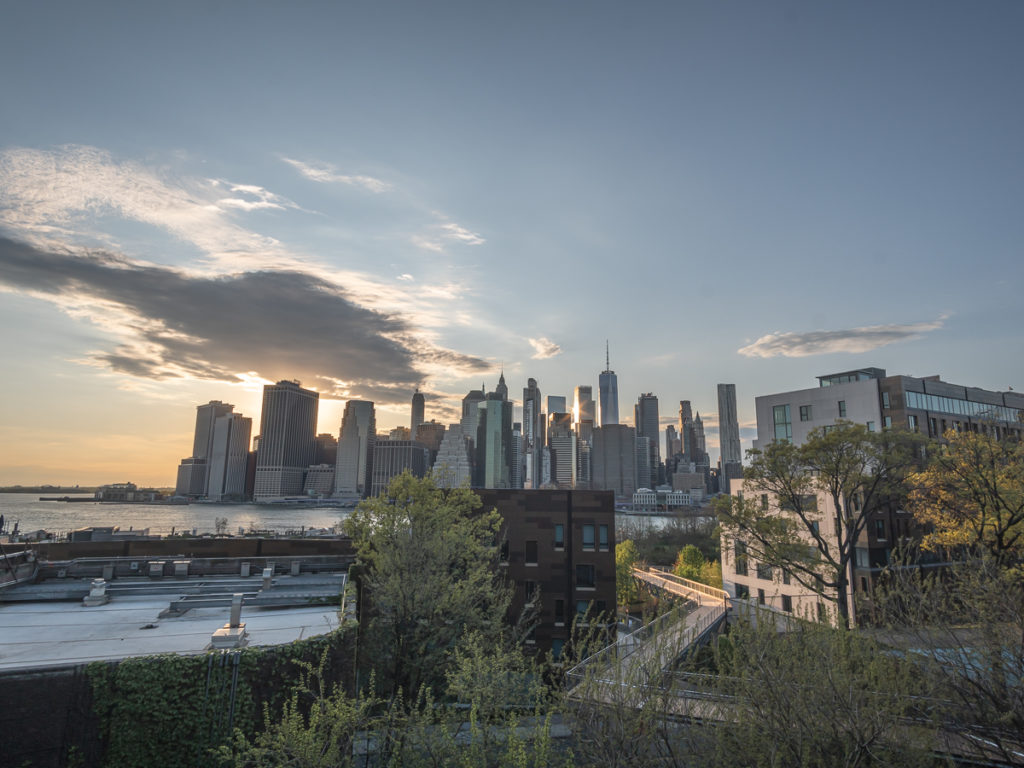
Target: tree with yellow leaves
<point>972,496</point>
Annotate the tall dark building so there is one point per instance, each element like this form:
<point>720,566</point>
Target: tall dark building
<point>613,460</point>
<point>393,457</point>
<point>352,473</point>
<point>533,435</point>
<point>608,385</point>
<point>287,447</point>
<point>418,412</point>
<point>645,418</point>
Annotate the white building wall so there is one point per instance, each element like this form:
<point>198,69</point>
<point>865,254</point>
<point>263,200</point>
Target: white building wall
<point>861,400</point>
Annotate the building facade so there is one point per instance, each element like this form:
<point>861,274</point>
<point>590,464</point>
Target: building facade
<point>608,394</point>
<point>613,460</point>
<point>287,431</point>
<point>558,548</point>
<point>393,457</point>
<point>352,474</point>
<point>730,449</point>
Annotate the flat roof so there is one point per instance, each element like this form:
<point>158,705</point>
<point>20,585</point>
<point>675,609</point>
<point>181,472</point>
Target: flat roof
<point>46,634</point>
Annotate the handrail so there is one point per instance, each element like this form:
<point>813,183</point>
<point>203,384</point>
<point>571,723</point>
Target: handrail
<point>664,576</point>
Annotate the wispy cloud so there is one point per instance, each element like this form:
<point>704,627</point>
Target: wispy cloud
<point>329,174</point>
<point>446,231</point>
<point>852,340</point>
<point>455,231</point>
<point>544,348</point>
<point>406,277</point>
<point>54,196</point>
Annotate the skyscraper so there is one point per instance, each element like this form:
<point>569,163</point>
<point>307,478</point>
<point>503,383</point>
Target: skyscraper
<point>452,467</point>
<point>645,418</point>
<point>583,406</point>
<point>608,386</point>
<point>613,460</point>
<point>562,445</point>
<point>728,426</point>
<point>494,443</point>
<point>533,430</point>
<point>193,472</point>
<point>393,457</point>
<point>417,413</point>
<point>287,431</point>
<point>686,429</point>
<point>352,475</point>
<point>556,404</point>
<point>229,454</point>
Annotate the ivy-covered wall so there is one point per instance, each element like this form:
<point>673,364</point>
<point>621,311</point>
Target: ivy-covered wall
<point>165,710</point>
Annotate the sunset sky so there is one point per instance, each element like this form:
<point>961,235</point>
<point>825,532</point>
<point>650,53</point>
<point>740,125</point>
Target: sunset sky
<point>197,198</point>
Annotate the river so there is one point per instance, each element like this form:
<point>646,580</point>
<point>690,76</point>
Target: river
<point>60,517</point>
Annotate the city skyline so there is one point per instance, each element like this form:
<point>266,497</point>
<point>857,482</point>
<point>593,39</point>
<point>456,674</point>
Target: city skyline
<point>196,201</point>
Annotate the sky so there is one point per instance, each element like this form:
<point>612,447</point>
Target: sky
<point>200,198</point>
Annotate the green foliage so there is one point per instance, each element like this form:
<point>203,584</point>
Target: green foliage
<point>172,710</point>
<point>626,556</point>
<point>815,696</point>
<point>971,494</point>
<point>429,559</point>
<point>804,507</point>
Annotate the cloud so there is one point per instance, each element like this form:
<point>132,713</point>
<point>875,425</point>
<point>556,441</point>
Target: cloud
<point>544,348</point>
<point>271,324</point>
<point>454,231</point>
<point>328,174</point>
<point>853,340</point>
<point>446,230</point>
<point>406,277</point>
<point>53,196</point>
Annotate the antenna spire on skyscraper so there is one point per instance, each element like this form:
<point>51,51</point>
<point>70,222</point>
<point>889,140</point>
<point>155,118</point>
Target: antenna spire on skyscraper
<point>607,358</point>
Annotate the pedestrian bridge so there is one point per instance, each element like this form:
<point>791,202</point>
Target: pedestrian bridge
<point>640,659</point>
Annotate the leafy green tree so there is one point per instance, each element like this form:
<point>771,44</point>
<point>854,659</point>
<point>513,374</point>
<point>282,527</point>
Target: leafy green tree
<point>690,563</point>
<point>778,519</point>
<point>971,494</point>
<point>429,558</point>
<point>626,556</point>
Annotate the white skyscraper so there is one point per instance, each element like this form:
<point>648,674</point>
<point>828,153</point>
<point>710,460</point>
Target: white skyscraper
<point>229,456</point>
<point>352,475</point>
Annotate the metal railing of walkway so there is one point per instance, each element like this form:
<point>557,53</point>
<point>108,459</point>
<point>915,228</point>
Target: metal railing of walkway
<point>643,656</point>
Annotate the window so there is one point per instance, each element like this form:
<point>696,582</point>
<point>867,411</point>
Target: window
<point>504,552</point>
<point>862,557</point>
<point>887,422</point>
<point>603,540</point>
<point>880,530</point>
<point>787,603</point>
<point>556,647</point>
<point>531,553</point>
<point>742,591</point>
<point>816,528</point>
<point>912,422</point>
<point>585,577</point>
<point>822,613</point>
<point>842,409</point>
<point>885,400</point>
<point>559,536</point>
<point>559,612</point>
<point>530,591</point>
<point>588,537</point>
<point>764,501</point>
<point>805,413</point>
<point>582,606</point>
<point>871,426</point>
<point>765,571</point>
<point>741,558</point>
<point>783,422</point>
<point>760,597</point>
<point>933,427</point>
<point>786,578</point>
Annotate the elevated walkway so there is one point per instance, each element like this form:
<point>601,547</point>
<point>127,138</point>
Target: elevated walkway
<point>640,659</point>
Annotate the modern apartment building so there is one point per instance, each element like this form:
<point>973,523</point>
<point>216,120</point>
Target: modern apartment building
<point>865,396</point>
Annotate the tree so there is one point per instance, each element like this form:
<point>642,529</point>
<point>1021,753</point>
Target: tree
<point>859,473</point>
<point>626,556</point>
<point>429,558</point>
<point>972,495</point>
